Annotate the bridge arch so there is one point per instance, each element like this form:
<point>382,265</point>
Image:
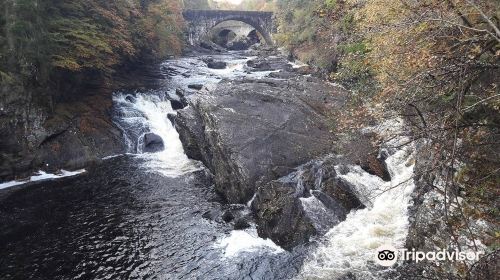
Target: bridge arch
<point>265,34</point>
<point>201,22</point>
<point>235,35</point>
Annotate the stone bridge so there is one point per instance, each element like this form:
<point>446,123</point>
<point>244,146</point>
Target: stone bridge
<point>201,22</point>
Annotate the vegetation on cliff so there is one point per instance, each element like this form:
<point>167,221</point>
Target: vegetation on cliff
<point>434,62</point>
<point>59,62</point>
<point>39,39</point>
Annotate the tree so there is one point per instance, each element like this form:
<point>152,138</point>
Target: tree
<point>40,38</point>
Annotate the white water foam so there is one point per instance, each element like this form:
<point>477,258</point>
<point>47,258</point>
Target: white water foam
<point>234,68</point>
<point>240,241</point>
<point>40,176</point>
<point>151,111</point>
<point>297,64</point>
<point>350,246</point>
<point>192,70</point>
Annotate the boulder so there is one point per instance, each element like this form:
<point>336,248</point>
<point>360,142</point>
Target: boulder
<point>269,63</point>
<point>253,134</point>
<point>309,201</point>
<point>363,150</point>
<point>212,215</point>
<point>76,135</point>
<point>260,65</point>
<point>228,216</point>
<point>241,224</point>
<point>207,59</point>
<point>177,104</point>
<point>239,45</point>
<point>189,125</point>
<point>153,143</point>
<point>376,166</point>
<point>249,132</point>
<point>217,65</point>
<point>195,86</point>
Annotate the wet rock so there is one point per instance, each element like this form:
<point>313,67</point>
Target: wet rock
<point>282,75</point>
<point>260,65</point>
<point>241,224</point>
<point>217,65</point>
<point>189,124</point>
<point>239,45</point>
<point>207,59</point>
<point>309,201</point>
<point>181,95</point>
<point>269,63</point>
<point>364,152</point>
<point>177,104</point>
<point>77,134</point>
<point>153,143</point>
<point>130,99</point>
<point>376,166</point>
<point>208,45</point>
<point>280,215</point>
<point>212,215</point>
<point>245,129</point>
<point>228,216</point>
<point>172,118</point>
<point>195,86</point>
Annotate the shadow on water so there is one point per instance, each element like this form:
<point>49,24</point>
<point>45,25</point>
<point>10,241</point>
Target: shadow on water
<point>120,222</point>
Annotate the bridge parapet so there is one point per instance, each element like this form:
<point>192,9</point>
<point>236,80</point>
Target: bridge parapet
<point>194,14</point>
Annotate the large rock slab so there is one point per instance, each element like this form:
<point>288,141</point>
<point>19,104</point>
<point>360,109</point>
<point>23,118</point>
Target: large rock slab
<point>309,201</point>
<point>78,134</point>
<point>249,132</point>
<point>68,135</point>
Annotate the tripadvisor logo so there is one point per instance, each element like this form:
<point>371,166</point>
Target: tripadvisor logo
<point>388,255</point>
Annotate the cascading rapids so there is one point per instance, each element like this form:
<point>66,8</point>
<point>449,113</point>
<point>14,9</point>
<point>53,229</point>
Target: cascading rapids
<point>349,247</point>
<point>141,113</point>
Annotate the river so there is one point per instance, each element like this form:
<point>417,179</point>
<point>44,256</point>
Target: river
<point>148,215</point>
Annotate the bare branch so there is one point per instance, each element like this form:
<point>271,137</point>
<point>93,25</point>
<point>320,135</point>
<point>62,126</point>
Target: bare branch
<point>487,19</point>
<point>480,102</point>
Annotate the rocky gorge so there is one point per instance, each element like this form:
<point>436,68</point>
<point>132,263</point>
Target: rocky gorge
<point>66,127</point>
<point>253,134</point>
<point>274,168</point>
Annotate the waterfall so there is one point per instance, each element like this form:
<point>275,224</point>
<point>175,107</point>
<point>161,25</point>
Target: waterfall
<point>349,247</point>
<point>141,113</point>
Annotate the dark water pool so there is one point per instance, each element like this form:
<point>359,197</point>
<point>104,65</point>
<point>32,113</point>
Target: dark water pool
<point>120,221</point>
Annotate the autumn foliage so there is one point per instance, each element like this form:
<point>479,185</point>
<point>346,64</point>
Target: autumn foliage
<point>40,37</point>
<point>435,63</point>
